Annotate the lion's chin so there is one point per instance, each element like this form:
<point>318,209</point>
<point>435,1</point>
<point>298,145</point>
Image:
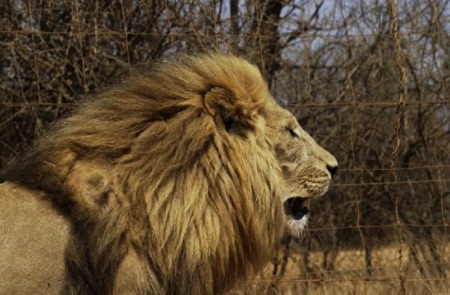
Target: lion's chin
<point>296,209</point>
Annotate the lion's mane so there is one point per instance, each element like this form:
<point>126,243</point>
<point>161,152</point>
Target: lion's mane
<point>168,180</point>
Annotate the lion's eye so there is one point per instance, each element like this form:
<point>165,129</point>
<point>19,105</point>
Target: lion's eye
<point>292,133</point>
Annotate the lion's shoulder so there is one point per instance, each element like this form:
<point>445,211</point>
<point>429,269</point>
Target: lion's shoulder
<point>31,232</point>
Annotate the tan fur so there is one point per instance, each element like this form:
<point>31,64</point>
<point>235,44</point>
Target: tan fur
<point>305,165</point>
<point>171,182</point>
<point>33,238</point>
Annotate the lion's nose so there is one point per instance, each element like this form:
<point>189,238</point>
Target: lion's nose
<point>332,169</point>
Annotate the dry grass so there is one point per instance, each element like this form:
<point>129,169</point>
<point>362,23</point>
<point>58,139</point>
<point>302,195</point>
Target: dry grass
<point>349,276</point>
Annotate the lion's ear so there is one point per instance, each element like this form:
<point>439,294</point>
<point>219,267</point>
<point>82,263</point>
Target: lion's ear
<point>222,102</point>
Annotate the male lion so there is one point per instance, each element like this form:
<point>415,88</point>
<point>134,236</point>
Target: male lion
<point>177,181</point>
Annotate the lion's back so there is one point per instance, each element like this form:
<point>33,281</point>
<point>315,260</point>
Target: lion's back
<point>33,237</point>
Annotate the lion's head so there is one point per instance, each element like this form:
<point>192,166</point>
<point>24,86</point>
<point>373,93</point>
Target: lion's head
<point>184,176</point>
<point>306,167</point>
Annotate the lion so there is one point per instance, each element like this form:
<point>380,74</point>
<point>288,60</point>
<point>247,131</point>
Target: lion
<point>179,180</point>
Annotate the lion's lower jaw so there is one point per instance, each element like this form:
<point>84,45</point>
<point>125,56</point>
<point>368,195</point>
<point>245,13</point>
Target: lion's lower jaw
<point>296,227</point>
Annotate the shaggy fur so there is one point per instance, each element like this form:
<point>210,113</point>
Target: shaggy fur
<point>169,182</point>
<point>172,167</point>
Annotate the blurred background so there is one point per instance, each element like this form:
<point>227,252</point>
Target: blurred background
<point>369,80</point>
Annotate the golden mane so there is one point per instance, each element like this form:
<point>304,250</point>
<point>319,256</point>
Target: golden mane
<point>169,176</point>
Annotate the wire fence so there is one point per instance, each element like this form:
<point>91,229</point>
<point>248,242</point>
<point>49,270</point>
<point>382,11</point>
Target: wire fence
<point>369,80</point>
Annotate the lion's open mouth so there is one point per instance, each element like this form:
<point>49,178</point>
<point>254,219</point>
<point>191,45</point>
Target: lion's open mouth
<point>296,207</point>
